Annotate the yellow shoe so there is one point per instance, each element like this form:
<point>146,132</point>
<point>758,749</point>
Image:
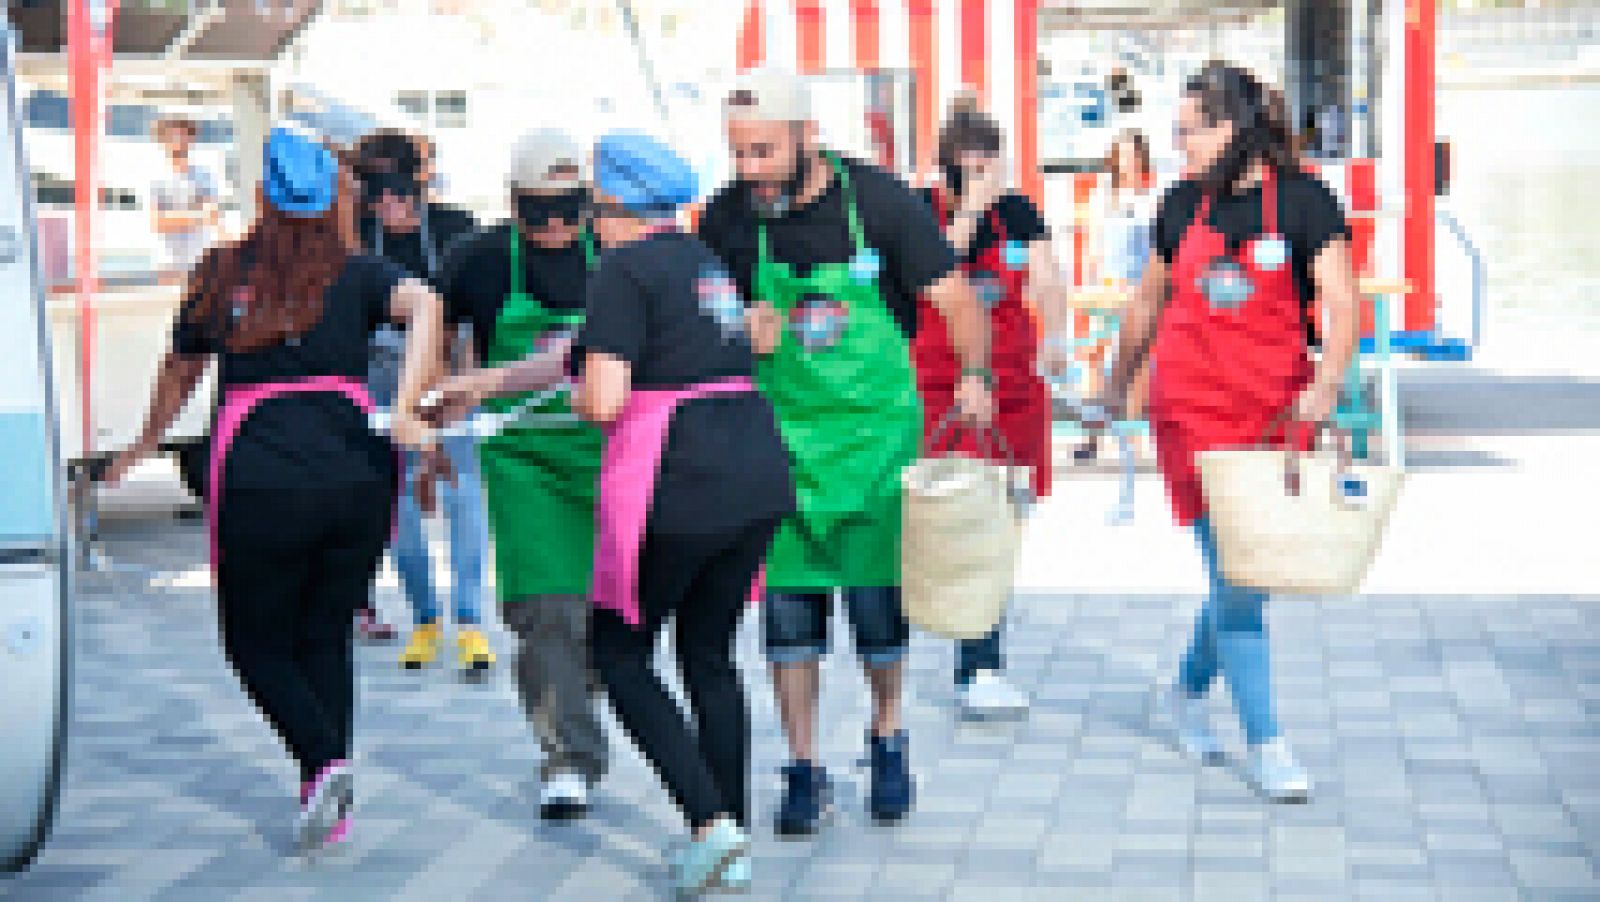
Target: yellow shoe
<point>423,648</point>
<point>472,650</point>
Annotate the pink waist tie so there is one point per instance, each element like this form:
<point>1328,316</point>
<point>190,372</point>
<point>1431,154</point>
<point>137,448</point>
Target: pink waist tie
<point>635,441</point>
<point>238,403</point>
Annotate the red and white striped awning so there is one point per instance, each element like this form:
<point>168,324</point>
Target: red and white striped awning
<point>987,46</point>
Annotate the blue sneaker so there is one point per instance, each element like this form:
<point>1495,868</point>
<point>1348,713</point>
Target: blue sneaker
<point>702,863</point>
<point>890,797</point>
<point>807,800</point>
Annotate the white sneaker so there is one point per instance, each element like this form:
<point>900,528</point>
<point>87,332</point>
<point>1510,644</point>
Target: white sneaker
<point>1191,727</point>
<point>989,694</point>
<point>1276,774</point>
<point>565,795</point>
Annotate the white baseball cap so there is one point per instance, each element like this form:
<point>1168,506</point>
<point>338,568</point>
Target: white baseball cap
<point>546,159</point>
<point>768,95</point>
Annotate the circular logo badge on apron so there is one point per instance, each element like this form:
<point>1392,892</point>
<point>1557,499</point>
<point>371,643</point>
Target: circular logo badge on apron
<point>1015,255</point>
<point>1225,285</point>
<point>865,265</point>
<point>988,289</point>
<point>1271,253</point>
<point>818,322</point>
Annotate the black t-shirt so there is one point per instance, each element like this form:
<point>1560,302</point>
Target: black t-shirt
<point>445,226</point>
<point>897,223</point>
<point>477,277</point>
<point>1020,219</point>
<point>313,439</point>
<point>668,307</point>
<point>1309,216</point>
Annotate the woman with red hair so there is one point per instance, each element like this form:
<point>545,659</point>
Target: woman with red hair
<point>301,488</point>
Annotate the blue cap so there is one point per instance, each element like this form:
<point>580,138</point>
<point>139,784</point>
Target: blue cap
<point>643,174</point>
<point>298,174</point>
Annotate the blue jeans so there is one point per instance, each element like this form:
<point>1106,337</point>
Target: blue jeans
<point>461,503</point>
<point>1230,639</point>
<point>795,625</point>
<point>973,655</point>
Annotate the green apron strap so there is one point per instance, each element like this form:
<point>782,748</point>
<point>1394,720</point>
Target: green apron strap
<point>857,234</point>
<point>588,250</point>
<point>517,286</point>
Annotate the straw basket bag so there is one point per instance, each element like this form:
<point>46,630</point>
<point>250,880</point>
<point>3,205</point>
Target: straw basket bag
<point>959,535</point>
<point>1292,522</point>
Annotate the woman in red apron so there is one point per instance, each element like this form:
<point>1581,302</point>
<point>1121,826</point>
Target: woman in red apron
<point>301,489</point>
<point>1004,248</point>
<point>1242,248</point>
<point>693,482</point>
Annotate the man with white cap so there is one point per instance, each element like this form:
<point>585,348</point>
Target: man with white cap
<point>833,253</point>
<point>521,286</point>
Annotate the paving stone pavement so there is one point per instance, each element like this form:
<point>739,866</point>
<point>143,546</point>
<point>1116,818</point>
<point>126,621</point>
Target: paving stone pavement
<point>1455,740</point>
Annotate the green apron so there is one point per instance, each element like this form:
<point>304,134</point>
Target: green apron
<point>850,417</point>
<point>539,482</point>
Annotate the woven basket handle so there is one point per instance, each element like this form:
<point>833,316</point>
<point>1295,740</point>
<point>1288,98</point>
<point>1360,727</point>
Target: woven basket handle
<point>1280,425</point>
<point>997,442</point>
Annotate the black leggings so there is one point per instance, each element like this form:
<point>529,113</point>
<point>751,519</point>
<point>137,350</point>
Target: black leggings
<point>296,564</point>
<point>705,582</point>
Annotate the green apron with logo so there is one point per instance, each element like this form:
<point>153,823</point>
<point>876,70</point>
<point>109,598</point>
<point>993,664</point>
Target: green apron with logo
<point>539,482</point>
<point>850,417</point>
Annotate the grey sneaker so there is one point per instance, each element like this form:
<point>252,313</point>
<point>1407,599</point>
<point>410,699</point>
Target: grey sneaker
<point>1276,774</point>
<point>1185,716</point>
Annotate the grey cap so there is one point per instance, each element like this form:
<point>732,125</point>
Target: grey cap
<point>546,159</point>
<point>768,95</point>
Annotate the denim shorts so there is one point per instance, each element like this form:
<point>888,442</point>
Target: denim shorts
<point>795,625</point>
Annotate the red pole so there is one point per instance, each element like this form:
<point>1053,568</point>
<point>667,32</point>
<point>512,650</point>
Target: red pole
<point>1027,137</point>
<point>85,91</point>
<point>1419,137</point>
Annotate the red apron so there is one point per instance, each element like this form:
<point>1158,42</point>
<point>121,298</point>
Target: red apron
<point>1230,349</point>
<point>629,466</point>
<point>1022,402</point>
<point>239,402</point>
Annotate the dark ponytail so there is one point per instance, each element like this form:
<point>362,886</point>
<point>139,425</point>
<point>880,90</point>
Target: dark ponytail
<point>968,128</point>
<point>1259,115</point>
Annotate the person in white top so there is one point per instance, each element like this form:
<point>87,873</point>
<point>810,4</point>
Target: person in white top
<point>1124,214</point>
<point>184,203</point>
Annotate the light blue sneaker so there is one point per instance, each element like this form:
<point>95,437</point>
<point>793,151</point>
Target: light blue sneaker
<point>737,877</point>
<point>1185,716</point>
<point>1272,768</point>
<point>702,863</point>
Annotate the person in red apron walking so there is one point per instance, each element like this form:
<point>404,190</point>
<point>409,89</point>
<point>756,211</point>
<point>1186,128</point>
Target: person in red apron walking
<point>1243,246</point>
<point>302,489</point>
<point>694,480</point>
<point>833,254</point>
<point>1004,248</point>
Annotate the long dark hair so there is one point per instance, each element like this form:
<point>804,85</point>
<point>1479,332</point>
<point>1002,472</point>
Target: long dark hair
<point>968,128</point>
<point>269,286</point>
<point>1228,93</point>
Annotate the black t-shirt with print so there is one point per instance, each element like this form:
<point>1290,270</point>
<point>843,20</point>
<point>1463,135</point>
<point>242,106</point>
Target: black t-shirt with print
<point>477,277</point>
<point>667,306</point>
<point>1019,218</point>
<point>897,223</point>
<point>1309,216</point>
<point>313,439</point>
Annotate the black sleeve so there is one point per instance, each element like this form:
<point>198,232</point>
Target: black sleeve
<point>901,226</point>
<point>1173,216</point>
<point>724,231</point>
<point>374,279</point>
<point>460,278</point>
<point>1312,215</point>
<point>615,319</point>
<point>191,336</point>
<point>1022,219</point>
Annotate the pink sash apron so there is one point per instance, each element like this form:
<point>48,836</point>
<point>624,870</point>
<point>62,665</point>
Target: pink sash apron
<point>635,441</point>
<point>239,402</point>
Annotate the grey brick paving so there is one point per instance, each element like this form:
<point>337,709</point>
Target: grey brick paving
<point>1454,741</point>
